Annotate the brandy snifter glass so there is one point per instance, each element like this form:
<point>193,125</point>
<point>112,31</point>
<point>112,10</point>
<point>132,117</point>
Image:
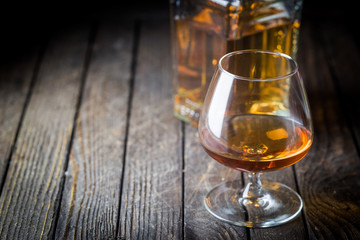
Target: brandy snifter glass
<point>255,119</point>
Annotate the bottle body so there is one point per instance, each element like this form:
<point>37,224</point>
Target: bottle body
<point>202,31</point>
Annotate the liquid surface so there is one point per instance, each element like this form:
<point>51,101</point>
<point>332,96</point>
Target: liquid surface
<point>258,142</point>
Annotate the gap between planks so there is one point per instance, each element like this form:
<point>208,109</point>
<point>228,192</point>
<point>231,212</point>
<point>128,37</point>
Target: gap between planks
<point>135,49</point>
<point>23,112</point>
<point>88,54</point>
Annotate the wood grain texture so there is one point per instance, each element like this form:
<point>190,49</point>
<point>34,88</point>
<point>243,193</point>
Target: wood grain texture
<point>202,173</point>
<point>89,208</point>
<point>151,198</point>
<point>15,79</point>
<point>29,199</point>
<point>294,229</point>
<point>343,56</point>
<point>329,180</point>
<point>149,205</point>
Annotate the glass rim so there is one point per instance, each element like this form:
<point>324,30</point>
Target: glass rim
<point>287,57</point>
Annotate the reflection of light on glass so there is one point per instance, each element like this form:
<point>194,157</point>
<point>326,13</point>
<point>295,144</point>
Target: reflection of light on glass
<point>225,3</point>
<point>217,111</point>
<point>277,134</point>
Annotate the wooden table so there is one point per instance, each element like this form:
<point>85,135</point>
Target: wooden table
<point>90,149</point>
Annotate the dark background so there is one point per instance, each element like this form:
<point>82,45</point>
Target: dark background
<point>25,24</point>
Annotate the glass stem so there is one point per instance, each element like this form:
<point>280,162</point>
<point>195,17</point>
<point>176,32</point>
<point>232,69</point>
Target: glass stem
<point>253,189</point>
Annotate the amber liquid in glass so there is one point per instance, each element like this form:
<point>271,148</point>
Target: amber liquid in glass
<point>202,39</point>
<point>258,143</point>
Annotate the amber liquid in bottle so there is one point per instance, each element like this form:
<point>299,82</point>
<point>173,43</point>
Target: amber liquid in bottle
<point>258,143</point>
<point>203,38</point>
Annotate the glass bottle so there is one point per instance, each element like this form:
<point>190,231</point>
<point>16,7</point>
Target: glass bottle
<point>202,31</point>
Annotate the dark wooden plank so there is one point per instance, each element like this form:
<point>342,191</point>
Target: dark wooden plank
<point>29,200</point>
<point>343,56</point>
<point>15,80</point>
<point>151,198</point>
<point>294,229</point>
<point>90,203</point>
<point>202,173</point>
<point>329,179</point>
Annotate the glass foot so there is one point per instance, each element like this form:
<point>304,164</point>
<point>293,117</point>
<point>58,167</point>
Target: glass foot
<point>277,204</point>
